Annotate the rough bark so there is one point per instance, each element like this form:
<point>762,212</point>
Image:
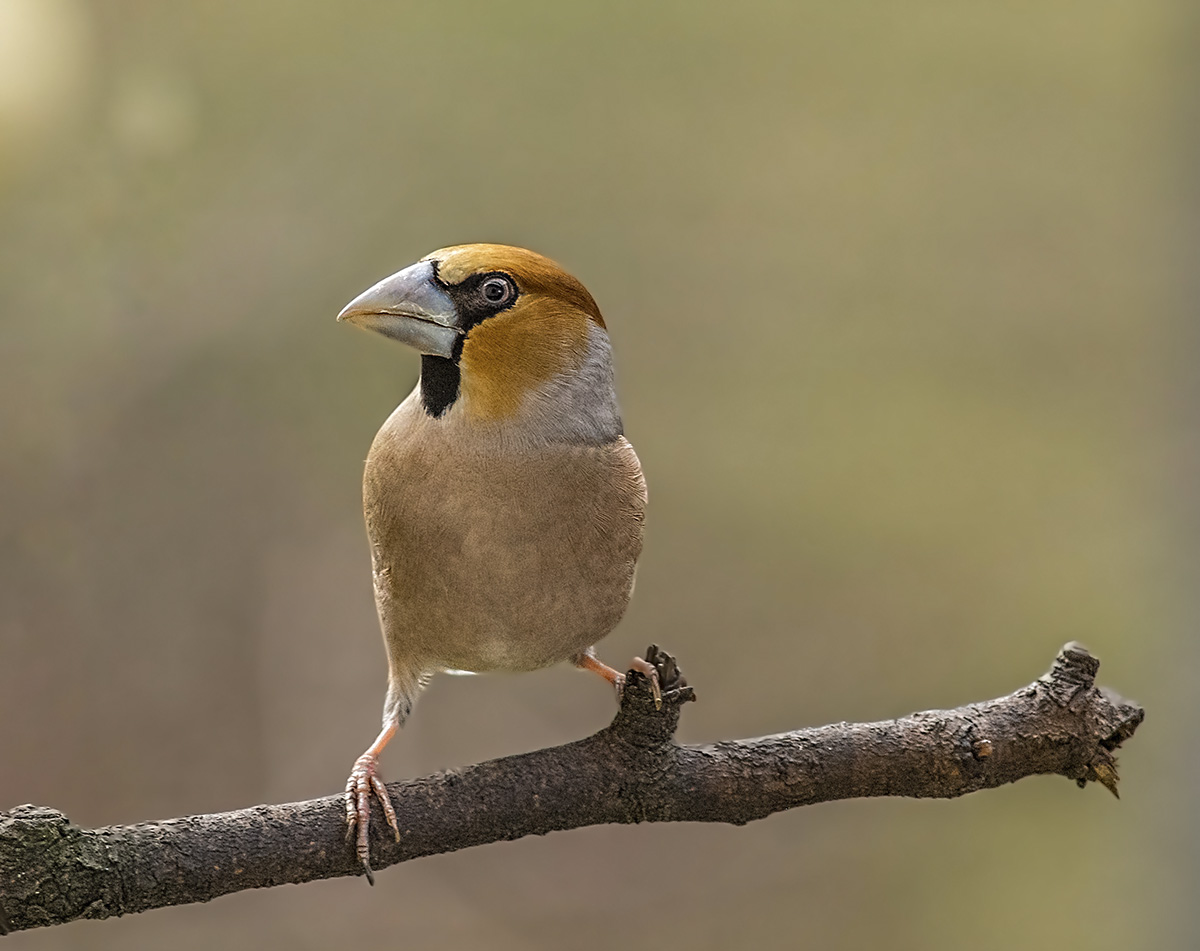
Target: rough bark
<point>52,872</point>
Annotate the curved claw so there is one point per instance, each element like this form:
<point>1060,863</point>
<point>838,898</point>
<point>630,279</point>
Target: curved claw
<point>362,782</point>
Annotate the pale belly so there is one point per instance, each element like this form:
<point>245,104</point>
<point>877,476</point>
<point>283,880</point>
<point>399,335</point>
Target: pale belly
<point>501,563</point>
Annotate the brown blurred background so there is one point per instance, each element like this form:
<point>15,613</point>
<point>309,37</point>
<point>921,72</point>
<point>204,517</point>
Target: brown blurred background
<point>900,304</point>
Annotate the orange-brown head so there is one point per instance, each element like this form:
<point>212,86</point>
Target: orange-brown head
<point>504,334</point>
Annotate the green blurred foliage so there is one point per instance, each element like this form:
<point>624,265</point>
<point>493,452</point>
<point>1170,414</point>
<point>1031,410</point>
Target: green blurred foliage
<point>895,294</point>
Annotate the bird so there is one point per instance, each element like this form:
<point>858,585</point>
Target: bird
<point>504,506</point>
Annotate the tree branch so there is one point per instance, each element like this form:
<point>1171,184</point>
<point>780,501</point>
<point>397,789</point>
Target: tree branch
<point>52,872</point>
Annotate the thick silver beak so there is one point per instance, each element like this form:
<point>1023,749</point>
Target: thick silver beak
<point>410,307</point>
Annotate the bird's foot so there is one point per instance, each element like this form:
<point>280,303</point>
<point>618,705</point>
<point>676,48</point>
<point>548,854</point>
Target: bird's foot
<point>362,782</point>
<point>658,667</point>
<point>662,670</point>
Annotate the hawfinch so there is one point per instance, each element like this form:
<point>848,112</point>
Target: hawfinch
<point>504,506</point>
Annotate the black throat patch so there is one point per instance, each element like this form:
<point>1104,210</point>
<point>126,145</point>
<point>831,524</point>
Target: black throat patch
<point>440,378</point>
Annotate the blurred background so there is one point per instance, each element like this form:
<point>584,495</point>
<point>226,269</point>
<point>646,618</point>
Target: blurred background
<point>902,298</point>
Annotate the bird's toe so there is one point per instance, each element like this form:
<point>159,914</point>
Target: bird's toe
<point>650,672</point>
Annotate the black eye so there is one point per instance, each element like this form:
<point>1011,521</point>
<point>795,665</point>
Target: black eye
<point>497,291</point>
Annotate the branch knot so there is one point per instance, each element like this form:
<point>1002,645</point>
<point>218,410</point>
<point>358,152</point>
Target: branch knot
<point>1073,672</point>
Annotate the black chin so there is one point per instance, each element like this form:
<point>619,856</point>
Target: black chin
<point>440,379</point>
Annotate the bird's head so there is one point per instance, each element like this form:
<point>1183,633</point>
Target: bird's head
<point>506,335</point>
